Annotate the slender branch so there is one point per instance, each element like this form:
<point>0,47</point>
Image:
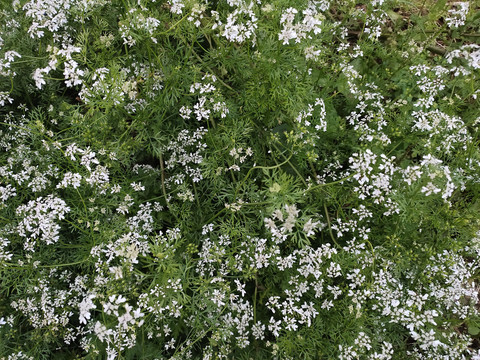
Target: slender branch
<point>162,174</point>
<point>330,225</point>
<point>331,183</point>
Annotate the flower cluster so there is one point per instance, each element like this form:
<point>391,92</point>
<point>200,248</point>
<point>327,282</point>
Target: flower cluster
<point>236,29</point>
<point>235,179</point>
<point>207,105</point>
<point>300,30</point>
<point>458,14</point>
<point>40,220</point>
<point>136,21</point>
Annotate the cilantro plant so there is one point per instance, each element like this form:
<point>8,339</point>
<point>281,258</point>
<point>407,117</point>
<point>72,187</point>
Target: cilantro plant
<point>239,179</point>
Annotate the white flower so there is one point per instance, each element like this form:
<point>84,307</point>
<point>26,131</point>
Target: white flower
<point>101,331</point>
<point>170,344</point>
<point>309,227</point>
<point>176,6</point>
<point>185,112</point>
<point>4,97</point>
<point>85,306</point>
<point>137,186</point>
<point>38,77</point>
<point>218,297</point>
<point>459,14</point>
<point>258,331</point>
<point>72,179</point>
<point>117,272</point>
<point>72,73</point>
<point>274,326</point>
<point>292,211</point>
<point>430,189</point>
<point>6,192</point>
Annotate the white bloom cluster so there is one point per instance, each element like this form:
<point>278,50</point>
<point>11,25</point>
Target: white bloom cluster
<point>127,319</point>
<point>45,306</point>
<point>136,23</point>
<point>369,117</point>
<point>142,221</point>
<point>162,302</point>
<point>241,24</point>
<point>371,183</point>
<point>374,22</point>
<point>47,15</point>
<point>293,310</point>
<point>6,192</point>
<point>118,257</point>
<point>99,178</point>
<point>205,105</point>
<point>183,158</point>
<point>234,327</point>
<point>176,6</point>
<point>235,206</point>
<point>123,207</point>
<point>197,13</point>
<point>85,306</point>
<point>5,98</point>
<point>362,346</point>
<point>39,220</point>
<point>445,132</point>
<point>307,119</point>
<point>289,222</point>
<point>362,165</point>
<point>212,253</point>
<point>418,307</point>
<point>39,183</point>
<point>19,356</point>
<point>431,83</point>
<point>311,53</point>
<point>5,255</point>
<point>439,177</point>
<point>6,63</point>
<point>301,30</point>
<point>137,186</point>
<point>312,274</point>
<point>322,5</point>
<point>72,73</point>
<point>470,52</point>
<point>129,87</point>
<point>280,235</point>
<point>458,14</point>
<point>236,153</point>
<point>362,212</point>
<point>70,179</point>
<point>352,76</point>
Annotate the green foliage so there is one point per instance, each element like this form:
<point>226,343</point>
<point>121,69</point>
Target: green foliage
<point>236,179</point>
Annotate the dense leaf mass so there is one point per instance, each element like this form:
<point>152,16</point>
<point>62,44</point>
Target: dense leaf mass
<point>239,179</point>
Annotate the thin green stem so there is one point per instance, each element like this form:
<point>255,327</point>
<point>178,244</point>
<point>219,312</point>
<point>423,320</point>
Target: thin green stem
<point>330,225</point>
<point>255,300</point>
<point>162,176</point>
<point>259,167</point>
<point>293,167</point>
<point>62,265</point>
<point>331,183</point>
<point>186,348</point>
<point>174,25</point>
